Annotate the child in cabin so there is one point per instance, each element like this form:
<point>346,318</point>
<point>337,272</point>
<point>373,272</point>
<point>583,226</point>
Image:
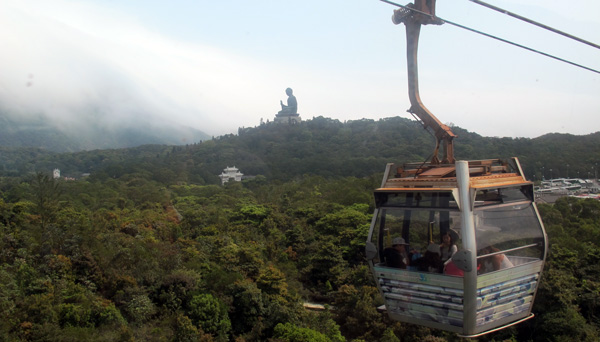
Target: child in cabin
<point>414,255</point>
<point>432,261</point>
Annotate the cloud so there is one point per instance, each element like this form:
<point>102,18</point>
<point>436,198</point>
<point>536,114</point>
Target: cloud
<point>61,66</point>
<point>73,59</point>
<point>68,59</point>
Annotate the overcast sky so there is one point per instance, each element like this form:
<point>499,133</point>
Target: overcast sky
<point>220,65</point>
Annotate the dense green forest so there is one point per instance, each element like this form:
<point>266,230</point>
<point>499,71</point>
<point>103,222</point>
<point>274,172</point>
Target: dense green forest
<point>149,247</point>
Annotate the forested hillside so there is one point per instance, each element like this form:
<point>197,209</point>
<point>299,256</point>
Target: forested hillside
<point>320,146</point>
<point>150,248</point>
<point>133,259</point>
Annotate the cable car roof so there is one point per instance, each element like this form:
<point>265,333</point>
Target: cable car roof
<point>484,174</point>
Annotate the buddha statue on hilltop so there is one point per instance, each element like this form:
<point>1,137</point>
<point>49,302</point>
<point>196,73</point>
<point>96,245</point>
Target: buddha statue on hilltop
<point>292,105</point>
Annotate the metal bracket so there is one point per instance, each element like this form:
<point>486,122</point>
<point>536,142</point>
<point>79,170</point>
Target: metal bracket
<point>370,250</point>
<point>462,260</point>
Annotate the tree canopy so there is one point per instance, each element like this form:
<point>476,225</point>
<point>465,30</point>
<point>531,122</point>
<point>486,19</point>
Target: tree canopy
<point>149,248</point>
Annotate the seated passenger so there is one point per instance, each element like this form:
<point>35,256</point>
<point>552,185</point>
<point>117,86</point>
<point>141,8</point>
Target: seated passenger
<point>431,261</point>
<point>448,246</point>
<point>396,255</point>
<point>493,262</point>
<point>414,255</point>
<point>451,269</point>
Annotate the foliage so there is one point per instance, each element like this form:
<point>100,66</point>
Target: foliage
<point>149,248</point>
<point>319,146</point>
<point>569,297</point>
<point>290,333</point>
<point>210,315</point>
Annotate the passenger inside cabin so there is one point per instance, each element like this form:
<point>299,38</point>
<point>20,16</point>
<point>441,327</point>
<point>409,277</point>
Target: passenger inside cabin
<point>493,262</point>
<point>448,246</point>
<point>396,256</point>
<point>431,261</point>
<point>414,255</point>
<point>450,268</point>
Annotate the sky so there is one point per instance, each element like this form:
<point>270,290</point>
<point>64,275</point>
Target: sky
<point>220,65</point>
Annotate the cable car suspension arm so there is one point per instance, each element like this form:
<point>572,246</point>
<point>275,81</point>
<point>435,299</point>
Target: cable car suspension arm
<point>422,12</point>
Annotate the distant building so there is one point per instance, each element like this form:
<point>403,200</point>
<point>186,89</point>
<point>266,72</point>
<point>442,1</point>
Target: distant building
<point>230,173</point>
<point>552,189</point>
<point>56,174</point>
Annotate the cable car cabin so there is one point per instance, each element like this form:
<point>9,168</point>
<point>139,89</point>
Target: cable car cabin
<point>486,210</point>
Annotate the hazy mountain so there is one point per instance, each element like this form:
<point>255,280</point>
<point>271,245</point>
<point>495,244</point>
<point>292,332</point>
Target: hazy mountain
<point>89,132</point>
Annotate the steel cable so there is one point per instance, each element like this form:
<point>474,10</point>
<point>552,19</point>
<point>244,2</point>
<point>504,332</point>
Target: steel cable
<point>494,37</point>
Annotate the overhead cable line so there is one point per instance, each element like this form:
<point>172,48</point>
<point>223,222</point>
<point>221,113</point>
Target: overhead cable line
<point>492,36</point>
<point>527,20</point>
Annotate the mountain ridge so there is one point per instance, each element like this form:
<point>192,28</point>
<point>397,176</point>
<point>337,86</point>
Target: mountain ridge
<point>320,146</point>
<point>90,133</point>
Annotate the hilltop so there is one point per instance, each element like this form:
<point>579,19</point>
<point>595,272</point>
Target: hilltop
<point>321,146</point>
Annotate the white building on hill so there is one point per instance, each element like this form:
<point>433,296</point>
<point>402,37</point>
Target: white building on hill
<point>230,173</point>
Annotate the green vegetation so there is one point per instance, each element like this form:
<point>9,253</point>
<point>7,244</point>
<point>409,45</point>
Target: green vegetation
<point>321,146</point>
<point>148,248</point>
